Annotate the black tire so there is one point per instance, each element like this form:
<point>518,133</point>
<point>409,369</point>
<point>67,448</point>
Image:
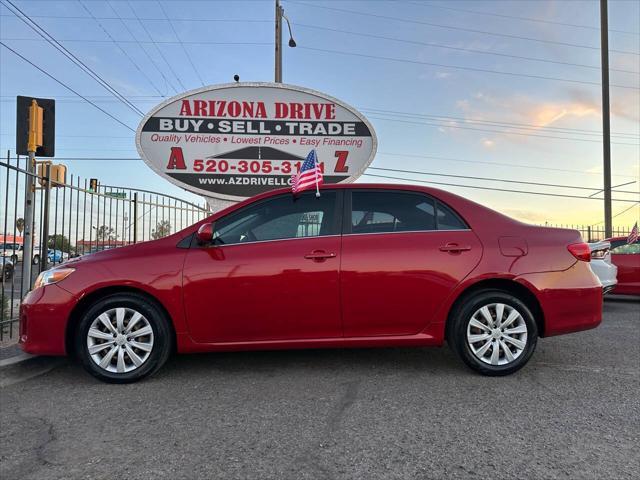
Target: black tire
<point>157,319</point>
<point>14,259</point>
<point>462,315</point>
<point>36,259</point>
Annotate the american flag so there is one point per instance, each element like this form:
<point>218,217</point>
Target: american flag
<point>633,236</point>
<point>309,176</point>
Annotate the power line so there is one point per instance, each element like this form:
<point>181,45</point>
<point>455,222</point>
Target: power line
<point>142,42</point>
<point>84,17</point>
<point>522,126</point>
<point>508,190</point>
<point>498,164</point>
<point>460,49</point>
<point>144,50</point>
<point>133,62</point>
<point>66,86</point>
<point>526,19</point>
<point>505,132</point>
<point>504,180</point>
<point>180,41</point>
<point>76,61</point>
<point>462,29</point>
<point>157,48</point>
<point>460,67</point>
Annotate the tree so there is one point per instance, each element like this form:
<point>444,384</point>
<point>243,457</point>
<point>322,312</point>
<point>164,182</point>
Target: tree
<point>163,228</point>
<point>59,242</point>
<point>20,225</point>
<point>105,233</point>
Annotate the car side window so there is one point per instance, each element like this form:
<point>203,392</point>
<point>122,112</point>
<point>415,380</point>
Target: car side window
<point>382,212</point>
<point>626,249</point>
<point>448,220</point>
<point>280,218</point>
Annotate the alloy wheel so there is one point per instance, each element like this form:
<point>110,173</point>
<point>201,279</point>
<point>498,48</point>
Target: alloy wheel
<point>120,340</point>
<point>497,334</point>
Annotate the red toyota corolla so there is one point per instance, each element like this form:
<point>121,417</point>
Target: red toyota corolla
<point>360,266</point>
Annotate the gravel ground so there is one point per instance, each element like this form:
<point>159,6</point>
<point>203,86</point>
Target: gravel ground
<point>572,412</point>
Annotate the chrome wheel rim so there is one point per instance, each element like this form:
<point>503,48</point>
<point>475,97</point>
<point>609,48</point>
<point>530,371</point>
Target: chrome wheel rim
<point>497,334</point>
<point>120,340</point>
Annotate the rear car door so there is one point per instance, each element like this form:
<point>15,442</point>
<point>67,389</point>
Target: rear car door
<point>272,273</point>
<point>402,254</point>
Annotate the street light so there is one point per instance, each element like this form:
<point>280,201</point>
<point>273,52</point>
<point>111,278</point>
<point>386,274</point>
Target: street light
<point>278,44</point>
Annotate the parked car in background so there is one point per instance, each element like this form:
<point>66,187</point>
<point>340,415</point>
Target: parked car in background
<point>15,252</point>
<point>627,258</point>
<point>6,267</point>
<point>602,266</point>
<point>55,256</point>
<point>359,266</point>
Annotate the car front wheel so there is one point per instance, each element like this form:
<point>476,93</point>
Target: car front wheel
<point>36,259</point>
<point>494,332</point>
<point>123,338</point>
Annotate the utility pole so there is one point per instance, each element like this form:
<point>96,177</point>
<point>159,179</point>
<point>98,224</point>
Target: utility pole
<point>606,117</point>
<point>278,41</point>
<point>278,66</point>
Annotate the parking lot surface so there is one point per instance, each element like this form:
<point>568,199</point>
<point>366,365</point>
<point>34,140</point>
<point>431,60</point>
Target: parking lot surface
<point>572,412</point>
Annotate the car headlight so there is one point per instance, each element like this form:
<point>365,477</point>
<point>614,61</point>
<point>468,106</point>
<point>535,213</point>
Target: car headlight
<point>52,276</point>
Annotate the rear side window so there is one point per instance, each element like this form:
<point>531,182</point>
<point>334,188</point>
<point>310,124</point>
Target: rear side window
<point>382,212</point>
<point>447,220</point>
<point>386,211</point>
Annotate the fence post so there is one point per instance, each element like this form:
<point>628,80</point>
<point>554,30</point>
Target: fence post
<point>44,245</point>
<point>589,233</point>
<point>135,217</point>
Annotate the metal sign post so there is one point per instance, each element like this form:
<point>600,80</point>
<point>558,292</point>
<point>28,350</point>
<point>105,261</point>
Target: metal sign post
<point>35,140</point>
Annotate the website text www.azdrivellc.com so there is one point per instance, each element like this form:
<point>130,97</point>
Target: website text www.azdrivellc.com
<point>274,182</point>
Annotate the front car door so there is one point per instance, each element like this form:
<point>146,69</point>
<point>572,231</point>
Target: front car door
<point>402,255</point>
<point>271,274</point>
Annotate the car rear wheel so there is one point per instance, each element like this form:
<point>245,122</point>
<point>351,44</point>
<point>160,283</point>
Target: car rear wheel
<point>493,332</point>
<point>123,338</point>
<point>36,259</point>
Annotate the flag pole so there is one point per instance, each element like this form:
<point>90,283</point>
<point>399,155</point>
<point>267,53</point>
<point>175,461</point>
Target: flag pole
<point>316,170</point>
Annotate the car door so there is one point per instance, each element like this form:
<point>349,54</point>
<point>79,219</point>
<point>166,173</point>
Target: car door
<point>402,255</point>
<point>271,274</point>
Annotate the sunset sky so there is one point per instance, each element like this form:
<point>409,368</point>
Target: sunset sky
<point>504,90</point>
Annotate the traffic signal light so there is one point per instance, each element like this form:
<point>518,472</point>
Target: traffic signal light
<point>41,125</point>
<point>93,185</point>
<point>57,174</point>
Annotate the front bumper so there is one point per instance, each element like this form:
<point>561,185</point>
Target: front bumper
<point>571,300</point>
<point>44,313</point>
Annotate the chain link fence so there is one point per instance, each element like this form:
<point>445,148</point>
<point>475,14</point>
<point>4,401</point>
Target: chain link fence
<point>72,220</point>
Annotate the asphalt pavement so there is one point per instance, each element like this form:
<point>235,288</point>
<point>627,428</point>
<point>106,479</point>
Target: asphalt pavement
<point>572,412</point>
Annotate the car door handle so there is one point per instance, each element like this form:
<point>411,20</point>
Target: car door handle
<point>454,248</point>
<point>319,255</point>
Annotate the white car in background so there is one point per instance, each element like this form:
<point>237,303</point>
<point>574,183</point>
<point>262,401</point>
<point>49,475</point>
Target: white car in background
<point>601,265</point>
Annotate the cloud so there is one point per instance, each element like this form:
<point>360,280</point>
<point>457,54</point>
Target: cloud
<point>488,143</point>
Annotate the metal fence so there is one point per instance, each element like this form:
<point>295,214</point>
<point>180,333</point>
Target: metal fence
<point>71,220</point>
<point>594,233</point>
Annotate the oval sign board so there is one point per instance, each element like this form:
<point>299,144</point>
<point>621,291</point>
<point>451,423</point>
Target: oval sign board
<point>235,140</point>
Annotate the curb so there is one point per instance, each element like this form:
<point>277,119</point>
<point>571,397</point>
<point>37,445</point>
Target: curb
<point>15,359</point>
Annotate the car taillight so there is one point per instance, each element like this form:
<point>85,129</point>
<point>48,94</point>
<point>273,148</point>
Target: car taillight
<point>581,251</point>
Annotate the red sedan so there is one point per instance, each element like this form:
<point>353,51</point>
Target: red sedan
<point>360,266</point>
<point>627,258</point>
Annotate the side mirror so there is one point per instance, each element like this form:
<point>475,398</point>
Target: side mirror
<point>204,234</point>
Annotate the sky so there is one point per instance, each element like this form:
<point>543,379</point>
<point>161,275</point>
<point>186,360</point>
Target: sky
<point>506,90</point>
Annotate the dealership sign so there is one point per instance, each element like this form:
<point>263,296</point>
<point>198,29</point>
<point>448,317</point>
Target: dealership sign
<point>235,140</point>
